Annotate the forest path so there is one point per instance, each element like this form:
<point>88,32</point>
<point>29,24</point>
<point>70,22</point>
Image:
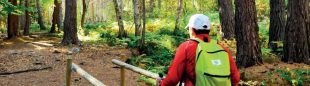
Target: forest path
<point>23,55</point>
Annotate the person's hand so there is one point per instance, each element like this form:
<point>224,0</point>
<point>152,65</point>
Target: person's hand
<point>158,81</point>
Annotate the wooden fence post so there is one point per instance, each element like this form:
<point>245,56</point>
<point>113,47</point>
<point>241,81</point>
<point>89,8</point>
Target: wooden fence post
<point>122,76</point>
<point>68,72</point>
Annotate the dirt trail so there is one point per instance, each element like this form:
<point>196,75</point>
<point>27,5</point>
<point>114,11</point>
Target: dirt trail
<point>21,54</point>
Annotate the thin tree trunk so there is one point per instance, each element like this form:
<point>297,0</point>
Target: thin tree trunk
<point>84,12</point>
<point>56,16</point>
<point>296,48</point>
<point>152,5</point>
<point>22,18</point>
<point>277,22</point>
<point>136,17</point>
<point>248,48</point>
<point>159,4</point>
<point>118,11</point>
<point>28,19</point>
<point>144,22</point>
<point>179,13</point>
<point>227,18</point>
<point>70,23</point>
<point>13,23</point>
<point>40,17</point>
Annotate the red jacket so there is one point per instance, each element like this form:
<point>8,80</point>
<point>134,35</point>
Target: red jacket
<point>183,65</point>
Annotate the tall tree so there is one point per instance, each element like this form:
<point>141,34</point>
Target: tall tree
<point>84,12</point>
<point>28,19</point>
<point>277,22</point>
<point>152,5</point>
<point>144,22</point>
<point>12,23</point>
<point>40,17</point>
<point>179,13</point>
<point>70,23</point>
<point>22,18</point>
<point>159,4</point>
<point>296,46</point>
<point>227,18</point>
<point>136,17</point>
<point>118,11</point>
<point>246,30</point>
<point>56,16</point>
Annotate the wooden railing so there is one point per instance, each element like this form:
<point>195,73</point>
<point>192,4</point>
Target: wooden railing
<point>75,68</point>
<point>124,65</point>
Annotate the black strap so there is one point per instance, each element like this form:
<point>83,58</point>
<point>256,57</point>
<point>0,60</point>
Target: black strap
<point>216,51</point>
<point>220,76</point>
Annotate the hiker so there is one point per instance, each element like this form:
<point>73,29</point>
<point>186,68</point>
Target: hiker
<point>214,66</point>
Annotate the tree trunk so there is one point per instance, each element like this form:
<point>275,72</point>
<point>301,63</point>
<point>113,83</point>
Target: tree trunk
<point>296,48</point>
<point>118,11</point>
<point>177,21</point>
<point>13,23</point>
<point>28,19</point>
<point>194,4</point>
<point>84,12</point>
<point>227,18</point>
<point>22,18</point>
<point>159,4</point>
<point>40,17</point>
<point>70,23</point>
<point>277,22</point>
<point>56,17</point>
<point>152,5</point>
<point>248,48</point>
<point>143,26</point>
<point>136,17</point>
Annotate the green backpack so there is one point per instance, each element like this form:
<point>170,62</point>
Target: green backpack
<point>212,64</point>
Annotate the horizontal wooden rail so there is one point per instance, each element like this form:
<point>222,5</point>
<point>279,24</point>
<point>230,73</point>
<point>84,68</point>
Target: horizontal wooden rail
<point>80,71</point>
<point>135,69</point>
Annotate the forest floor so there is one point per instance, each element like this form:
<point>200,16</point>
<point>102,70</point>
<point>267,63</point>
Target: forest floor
<point>39,60</point>
<point>34,64</point>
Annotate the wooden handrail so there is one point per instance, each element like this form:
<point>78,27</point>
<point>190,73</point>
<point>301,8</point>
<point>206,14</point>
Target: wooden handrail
<point>135,69</point>
<point>73,67</point>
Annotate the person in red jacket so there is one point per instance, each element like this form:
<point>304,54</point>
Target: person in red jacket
<point>183,64</point>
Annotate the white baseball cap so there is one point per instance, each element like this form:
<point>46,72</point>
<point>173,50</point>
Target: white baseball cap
<point>199,22</point>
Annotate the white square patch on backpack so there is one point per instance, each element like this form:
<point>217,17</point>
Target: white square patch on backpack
<point>216,62</point>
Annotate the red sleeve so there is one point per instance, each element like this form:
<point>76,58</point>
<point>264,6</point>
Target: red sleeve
<point>235,77</point>
<point>177,67</point>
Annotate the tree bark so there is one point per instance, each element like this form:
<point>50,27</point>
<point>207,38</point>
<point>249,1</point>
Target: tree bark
<point>144,22</point>
<point>227,18</point>
<point>277,22</point>
<point>152,5</point>
<point>22,18</point>
<point>84,12</point>
<point>40,17</point>
<point>179,13</point>
<point>248,48</point>
<point>118,11</point>
<point>136,17</point>
<point>70,23</point>
<point>13,23</point>
<point>28,19</point>
<point>56,17</point>
<point>159,4</point>
<point>296,46</point>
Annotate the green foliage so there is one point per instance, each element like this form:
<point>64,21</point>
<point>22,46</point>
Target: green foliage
<point>110,38</point>
<point>8,8</point>
<point>296,77</point>
<point>268,56</point>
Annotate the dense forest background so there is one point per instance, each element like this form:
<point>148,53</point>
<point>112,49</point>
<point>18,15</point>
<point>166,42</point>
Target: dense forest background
<point>257,32</point>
